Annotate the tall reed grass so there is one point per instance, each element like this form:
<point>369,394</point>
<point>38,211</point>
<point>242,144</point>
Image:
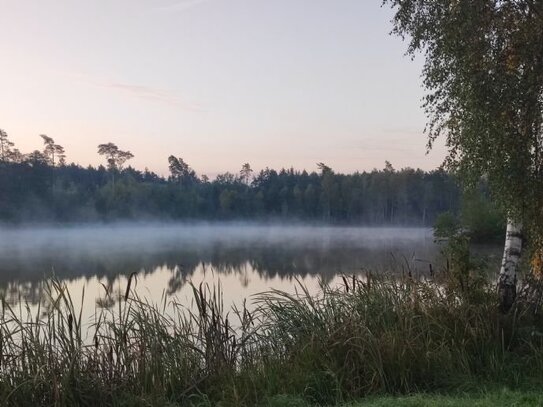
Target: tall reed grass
<point>371,335</point>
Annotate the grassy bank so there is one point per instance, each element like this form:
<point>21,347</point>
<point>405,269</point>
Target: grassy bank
<point>372,336</point>
<point>501,398</point>
<point>494,398</point>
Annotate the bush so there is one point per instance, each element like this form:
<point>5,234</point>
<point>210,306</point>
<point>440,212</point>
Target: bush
<point>482,219</point>
<point>446,225</point>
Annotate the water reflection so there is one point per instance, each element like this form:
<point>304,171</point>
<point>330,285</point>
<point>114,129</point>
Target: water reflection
<point>167,257</point>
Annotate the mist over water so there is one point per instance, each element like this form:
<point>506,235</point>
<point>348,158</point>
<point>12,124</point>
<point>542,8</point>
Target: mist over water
<point>153,235</point>
<point>245,258</point>
<point>31,251</point>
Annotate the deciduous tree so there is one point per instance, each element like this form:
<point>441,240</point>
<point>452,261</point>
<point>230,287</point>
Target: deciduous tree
<point>483,73</point>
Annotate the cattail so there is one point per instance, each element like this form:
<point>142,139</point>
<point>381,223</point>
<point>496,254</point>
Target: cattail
<point>346,283</point>
<point>110,359</point>
<point>70,323</point>
<point>132,275</point>
<point>204,303</point>
<point>250,317</point>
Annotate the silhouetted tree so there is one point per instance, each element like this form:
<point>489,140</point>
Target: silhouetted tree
<point>15,156</point>
<point>53,152</point>
<point>245,173</point>
<point>323,168</point>
<point>327,189</point>
<point>115,157</point>
<point>180,171</point>
<point>5,146</point>
<point>406,196</point>
<point>36,158</point>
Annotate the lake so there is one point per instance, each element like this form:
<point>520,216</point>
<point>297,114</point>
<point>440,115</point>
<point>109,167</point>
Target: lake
<point>245,259</point>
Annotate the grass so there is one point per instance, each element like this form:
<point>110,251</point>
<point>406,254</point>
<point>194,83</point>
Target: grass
<point>500,399</point>
<point>496,398</point>
<point>373,336</point>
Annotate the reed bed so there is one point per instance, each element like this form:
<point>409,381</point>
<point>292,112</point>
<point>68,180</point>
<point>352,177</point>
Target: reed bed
<point>372,335</point>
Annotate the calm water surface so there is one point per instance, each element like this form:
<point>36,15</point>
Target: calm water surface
<point>244,259</point>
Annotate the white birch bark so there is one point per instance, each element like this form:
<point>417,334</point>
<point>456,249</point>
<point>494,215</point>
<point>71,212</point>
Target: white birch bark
<point>507,280</point>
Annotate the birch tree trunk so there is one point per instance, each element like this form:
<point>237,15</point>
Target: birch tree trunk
<point>507,280</point>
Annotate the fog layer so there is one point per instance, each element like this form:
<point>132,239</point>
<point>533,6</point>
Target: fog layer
<point>103,239</point>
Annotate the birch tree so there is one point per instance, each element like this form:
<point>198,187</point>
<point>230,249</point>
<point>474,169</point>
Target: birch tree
<point>483,74</point>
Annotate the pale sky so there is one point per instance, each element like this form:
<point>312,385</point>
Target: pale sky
<point>275,83</point>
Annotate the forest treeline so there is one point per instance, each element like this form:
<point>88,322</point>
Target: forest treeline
<point>41,186</point>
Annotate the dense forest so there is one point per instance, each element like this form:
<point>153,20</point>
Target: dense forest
<point>41,186</point>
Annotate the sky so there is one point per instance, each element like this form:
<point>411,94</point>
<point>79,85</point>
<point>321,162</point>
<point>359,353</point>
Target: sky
<point>275,83</point>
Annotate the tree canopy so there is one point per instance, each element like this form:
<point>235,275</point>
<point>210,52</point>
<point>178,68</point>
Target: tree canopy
<point>483,73</point>
<point>115,157</point>
<point>34,187</point>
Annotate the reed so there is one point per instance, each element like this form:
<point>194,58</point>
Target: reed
<point>371,335</point>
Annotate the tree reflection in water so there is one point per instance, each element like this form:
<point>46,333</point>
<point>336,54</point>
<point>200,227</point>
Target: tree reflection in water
<point>251,260</point>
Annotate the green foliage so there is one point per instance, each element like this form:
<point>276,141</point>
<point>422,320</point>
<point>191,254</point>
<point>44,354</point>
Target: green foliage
<point>495,398</point>
<point>40,187</point>
<point>446,225</point>
<point>466,275</point>
<point>37,191</point>
<point>484,76</point>
<point>373,335</point>
<point>481,218</point>
<point>285,401</point>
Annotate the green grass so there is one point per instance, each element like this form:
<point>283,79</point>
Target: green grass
<point>503,398</point>
<point>495,398</point>
<point>370,337</point>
